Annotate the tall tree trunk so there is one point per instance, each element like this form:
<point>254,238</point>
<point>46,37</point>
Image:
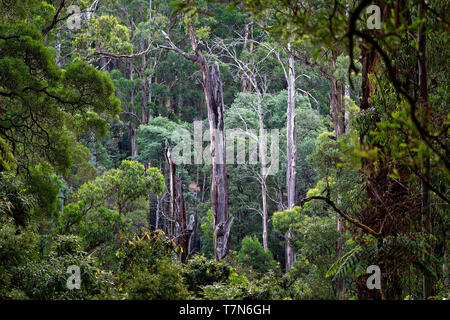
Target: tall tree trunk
<point>346,107</point>
<point>58,59</point>
<point>219,175</point>
<point>132,127</point>
<point>144,119</point>
<point>246,86</point>
<point>370,60</point>
<point>337,107</point>
<point>291,155</point>
<point>262,157</point>
<point>337,100</point>
<point>149,10</point>
<point>265,219</point>
<point>181,230</point>
<point>212,88</point>
<point>149,98</point>
<point>133,141</point>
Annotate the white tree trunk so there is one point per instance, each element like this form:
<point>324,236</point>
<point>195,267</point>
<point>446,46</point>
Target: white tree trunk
<point>263,159</point>
<point>291,154</point>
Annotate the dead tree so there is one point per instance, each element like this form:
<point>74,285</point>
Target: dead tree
<point>254,80</point>
<point>212,88</point>
<point>181,230</point>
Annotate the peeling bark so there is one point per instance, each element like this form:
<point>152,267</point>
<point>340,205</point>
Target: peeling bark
<point>181,230</point>
<point>212,88</point>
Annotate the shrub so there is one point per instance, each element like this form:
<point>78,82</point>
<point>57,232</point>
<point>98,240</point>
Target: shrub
<point>18,246</point>
<point>200,271</point>
<point>47,278</point>
<point>252,254</point>
<point>163,283</point>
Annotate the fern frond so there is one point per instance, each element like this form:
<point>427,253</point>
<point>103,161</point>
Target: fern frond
<point>340,262</point>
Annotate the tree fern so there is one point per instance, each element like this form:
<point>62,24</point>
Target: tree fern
<point>355,260</point>
<point>342,263</point>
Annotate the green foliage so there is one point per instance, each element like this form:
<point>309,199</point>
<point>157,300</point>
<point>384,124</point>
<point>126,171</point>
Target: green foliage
<point>7,160</point>
<point>141,252</point>
<point>14,198</point>
<point>147,269</point>
<point>151,138</point>
<point>46,279</point>
<point>201,271</point>
<point>102,227</point>
<point>43,107</point>
<point>17,248</point>
<point>219,291</point>
<point>74,102</point>
<point>207,234</point>
<point>163,282</point>
<point>107,35</point>
<point>252,254</point>
<point>129,182</point>
<point>45,185</point>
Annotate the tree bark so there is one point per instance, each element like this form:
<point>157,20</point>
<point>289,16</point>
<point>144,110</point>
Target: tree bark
<point>337,107</point>
<point>337,100</point>
<point>291,155</point>
<point>133,141</point>
<point>262,156</point>
<point>180,228</point>
<point>212,88</point>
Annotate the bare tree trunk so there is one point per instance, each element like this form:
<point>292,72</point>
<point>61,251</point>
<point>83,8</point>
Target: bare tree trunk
<point>262,157</point>
<point>291,155</point>
<point>264,217</point>
<point>133,141</point>
<point>58,49</point>
<point>180,229</point>
<point>370,60</point>
<point>212,88</point>
<point>337,107</point>
<point>219,176</point>
<point>144,119</point>
<point>158,206</point>
<point>203,187</point>
<point>346,107</point>
<point>250,51</point>
<point>337,100</point>
<point>165,205</point>
<point>246,86</point>
<point>244,48</point>
<point>132,129</point>
<point>149,98</point>
<point>149,9</point>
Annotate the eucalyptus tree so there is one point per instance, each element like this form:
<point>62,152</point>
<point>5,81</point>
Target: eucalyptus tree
<point>254,72</point>
<point>212,87</point>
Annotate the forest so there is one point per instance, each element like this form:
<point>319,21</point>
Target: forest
<point>224,150</point>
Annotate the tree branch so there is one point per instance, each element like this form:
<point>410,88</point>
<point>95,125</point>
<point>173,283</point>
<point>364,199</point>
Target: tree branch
<point>173,47</point>
<point>342,214</point>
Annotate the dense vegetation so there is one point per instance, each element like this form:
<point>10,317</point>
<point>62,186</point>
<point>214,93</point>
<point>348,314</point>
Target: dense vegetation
<point>90,100</point>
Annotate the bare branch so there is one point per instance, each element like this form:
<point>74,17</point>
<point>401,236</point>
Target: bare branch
<point>173,47</point>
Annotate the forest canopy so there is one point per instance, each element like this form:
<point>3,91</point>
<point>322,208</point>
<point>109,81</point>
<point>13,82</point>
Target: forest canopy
<point>231,150</point>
